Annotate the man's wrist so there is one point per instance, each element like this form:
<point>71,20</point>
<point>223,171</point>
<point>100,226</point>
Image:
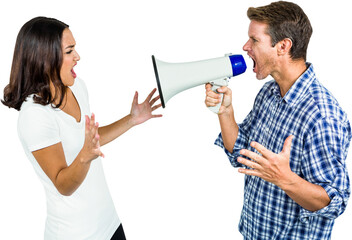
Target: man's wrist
<point>290,182</point>
<point>226,111</point>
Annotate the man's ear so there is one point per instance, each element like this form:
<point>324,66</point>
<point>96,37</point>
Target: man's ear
<point>283,47</point>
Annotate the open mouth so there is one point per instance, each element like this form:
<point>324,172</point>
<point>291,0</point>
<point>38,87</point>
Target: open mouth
<point>254,63</point>
<point>74,75</point>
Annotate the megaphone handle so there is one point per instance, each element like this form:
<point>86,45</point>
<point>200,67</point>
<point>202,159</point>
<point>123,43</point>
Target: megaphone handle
<point>216,108</point>
<point>215,85</point>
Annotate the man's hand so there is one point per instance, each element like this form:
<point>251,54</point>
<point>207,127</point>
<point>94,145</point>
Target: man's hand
<point>275,168</point>
<point>271,167</point>
<point>212,99</point>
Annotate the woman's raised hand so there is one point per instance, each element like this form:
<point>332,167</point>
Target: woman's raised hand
<point>143,112</point>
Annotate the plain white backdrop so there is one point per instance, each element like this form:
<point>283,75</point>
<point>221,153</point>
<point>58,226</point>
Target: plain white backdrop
<point>167,179</point>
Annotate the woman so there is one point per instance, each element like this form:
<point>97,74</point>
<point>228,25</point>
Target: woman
<point>59,134</point>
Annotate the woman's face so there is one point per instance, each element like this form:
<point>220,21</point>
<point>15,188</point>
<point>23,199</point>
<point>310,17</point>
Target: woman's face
<point>70,58</point>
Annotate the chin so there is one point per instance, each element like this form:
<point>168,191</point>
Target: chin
<point>261,76</point>
<point>69,82</point>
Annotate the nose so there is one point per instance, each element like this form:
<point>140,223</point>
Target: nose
<point>246,46</point>
<point>76,56</point>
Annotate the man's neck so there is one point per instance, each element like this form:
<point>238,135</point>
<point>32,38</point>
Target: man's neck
<point>288,73</point>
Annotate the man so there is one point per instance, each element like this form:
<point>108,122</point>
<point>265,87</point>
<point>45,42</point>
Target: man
<point>293,144</point>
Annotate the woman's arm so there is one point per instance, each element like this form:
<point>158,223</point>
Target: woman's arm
<point>68,178</point>
<point>139,114</point>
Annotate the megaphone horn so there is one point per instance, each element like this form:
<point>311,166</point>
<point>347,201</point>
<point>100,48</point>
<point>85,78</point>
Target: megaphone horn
<point>173,78</point>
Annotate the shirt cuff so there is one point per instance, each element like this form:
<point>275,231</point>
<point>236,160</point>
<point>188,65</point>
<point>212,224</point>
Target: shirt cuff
<point>236,149</point>
<point>335,208</point>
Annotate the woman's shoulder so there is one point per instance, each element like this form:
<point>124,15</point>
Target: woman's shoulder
<point>30,104</point>
<point>31,110</point>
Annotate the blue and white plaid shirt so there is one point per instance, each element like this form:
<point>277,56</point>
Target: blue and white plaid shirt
<point>322,134</point>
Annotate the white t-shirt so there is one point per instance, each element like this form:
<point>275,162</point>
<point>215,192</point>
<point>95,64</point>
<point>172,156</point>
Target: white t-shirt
<point>89,213</point>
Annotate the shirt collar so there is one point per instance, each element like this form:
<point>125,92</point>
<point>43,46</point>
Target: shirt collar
<point>297,90</point>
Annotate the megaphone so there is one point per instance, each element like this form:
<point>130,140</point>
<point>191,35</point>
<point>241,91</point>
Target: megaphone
<point>173,78</point>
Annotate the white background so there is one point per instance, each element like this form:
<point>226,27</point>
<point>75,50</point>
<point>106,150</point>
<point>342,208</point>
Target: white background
<point>166,177</point>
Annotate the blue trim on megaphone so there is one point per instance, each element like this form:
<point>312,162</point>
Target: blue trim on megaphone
<point>238,64</point>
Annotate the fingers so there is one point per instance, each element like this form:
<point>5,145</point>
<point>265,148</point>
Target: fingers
<point>156,107</point>
<point>249,163</point>
<point>249,172</point>
<point>148,100</point>
<point>154,100</point>
<point>92,129</point>
<point>135,99</point>
<point>262,150</point>
<point>224,90</point>
<point>286,149</point>
<point>212,98</point>
<point>157,115</point>
<point>90,121</point>
<point>150,95</point>
<point>252,155</point>
<point>87,123</point>
<point>92,135</point>
<point>90,124</point>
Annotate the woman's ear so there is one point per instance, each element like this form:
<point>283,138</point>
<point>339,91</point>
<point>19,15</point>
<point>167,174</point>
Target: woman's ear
<point>283,47</point>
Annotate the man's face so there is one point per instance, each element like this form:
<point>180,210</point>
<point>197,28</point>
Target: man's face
<point>259,48</point>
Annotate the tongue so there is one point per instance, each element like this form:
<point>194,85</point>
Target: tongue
<point>73,73</point>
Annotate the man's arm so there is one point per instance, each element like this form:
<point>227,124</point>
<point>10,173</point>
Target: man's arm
<point>229,127</point>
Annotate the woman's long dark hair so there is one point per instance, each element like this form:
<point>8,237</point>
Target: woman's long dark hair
<point>37,61</point>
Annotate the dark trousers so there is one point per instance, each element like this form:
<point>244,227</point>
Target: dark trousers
<point>119,234</point>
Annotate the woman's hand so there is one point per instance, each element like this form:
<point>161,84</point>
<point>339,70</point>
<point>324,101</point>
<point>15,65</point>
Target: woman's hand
<point>91,148</point>
<point>68,178</point>
<point>143,112</point>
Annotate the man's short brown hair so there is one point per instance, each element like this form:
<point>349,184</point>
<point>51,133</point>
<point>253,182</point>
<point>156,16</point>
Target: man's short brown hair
<point>285,20</point>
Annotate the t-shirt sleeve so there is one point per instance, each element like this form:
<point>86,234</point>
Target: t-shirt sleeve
<point>37,128</point>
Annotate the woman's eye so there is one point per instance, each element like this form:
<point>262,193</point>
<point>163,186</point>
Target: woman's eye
<point>69,52</point>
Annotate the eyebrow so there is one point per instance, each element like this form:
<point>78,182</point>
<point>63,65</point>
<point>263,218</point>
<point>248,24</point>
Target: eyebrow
<point>70,46</point>
<point>253,37</point>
